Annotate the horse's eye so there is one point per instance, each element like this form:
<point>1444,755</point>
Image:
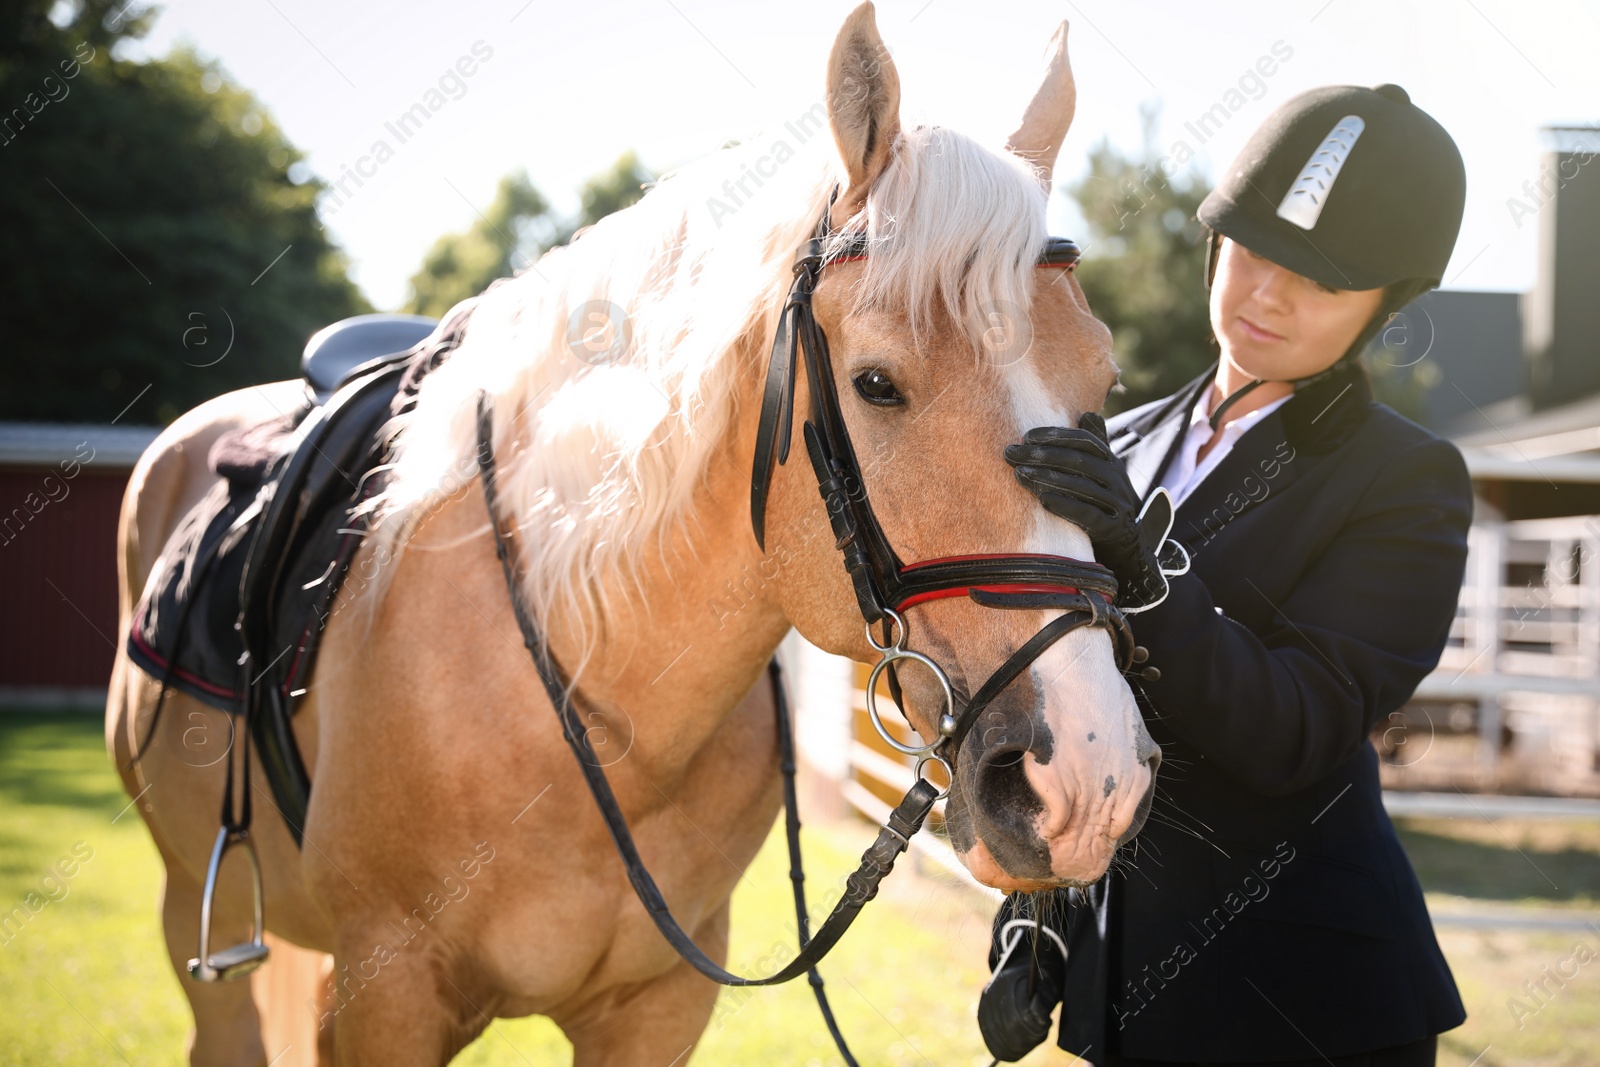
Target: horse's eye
<point>876,388</point>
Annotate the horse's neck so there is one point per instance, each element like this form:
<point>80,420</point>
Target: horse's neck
<point>680,646</point>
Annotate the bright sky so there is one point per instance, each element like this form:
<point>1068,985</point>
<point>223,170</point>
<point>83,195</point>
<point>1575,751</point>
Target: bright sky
<point>567,87</point>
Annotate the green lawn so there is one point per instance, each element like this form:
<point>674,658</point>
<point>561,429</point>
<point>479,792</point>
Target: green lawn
<point>84,980</point>
<point>1469,865</point>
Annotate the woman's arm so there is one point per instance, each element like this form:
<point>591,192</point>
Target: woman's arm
<point>1280,709</point>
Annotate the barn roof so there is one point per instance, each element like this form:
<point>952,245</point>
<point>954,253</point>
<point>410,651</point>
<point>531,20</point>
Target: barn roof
<point>45,444</point>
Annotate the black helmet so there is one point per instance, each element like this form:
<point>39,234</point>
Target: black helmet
<point>1354,188</point>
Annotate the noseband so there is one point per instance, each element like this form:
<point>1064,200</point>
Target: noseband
<point>884,586</point>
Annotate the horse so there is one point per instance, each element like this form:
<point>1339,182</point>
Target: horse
<point>454,868</point>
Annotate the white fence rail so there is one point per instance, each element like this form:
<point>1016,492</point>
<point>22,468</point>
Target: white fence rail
<point>1524,657</point>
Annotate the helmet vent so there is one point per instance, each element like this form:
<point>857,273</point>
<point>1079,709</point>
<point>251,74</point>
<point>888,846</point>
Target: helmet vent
<point>1303,203</point>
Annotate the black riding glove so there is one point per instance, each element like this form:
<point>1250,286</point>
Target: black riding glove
<point>1014,1009</point>
<point>1080,479</point>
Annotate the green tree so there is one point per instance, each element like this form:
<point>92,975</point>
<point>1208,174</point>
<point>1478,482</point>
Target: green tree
<point>1144,269</point>
<point>503,239</point>
<point>610,191</point>
<point>516,230</point>
<point>154,250</point>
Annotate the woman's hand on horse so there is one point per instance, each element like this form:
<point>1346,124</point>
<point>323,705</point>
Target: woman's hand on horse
<point>1077,477</point>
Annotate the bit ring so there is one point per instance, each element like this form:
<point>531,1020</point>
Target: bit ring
<point>947,718</point>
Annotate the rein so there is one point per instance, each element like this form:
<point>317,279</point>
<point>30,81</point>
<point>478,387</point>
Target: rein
<point>860,887</point>
<point>884,587</point>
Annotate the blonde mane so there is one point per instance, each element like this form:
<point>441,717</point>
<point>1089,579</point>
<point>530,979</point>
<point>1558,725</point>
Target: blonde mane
<point>600,457</point>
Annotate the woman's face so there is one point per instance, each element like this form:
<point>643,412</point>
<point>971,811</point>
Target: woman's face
<point>1275,324</point>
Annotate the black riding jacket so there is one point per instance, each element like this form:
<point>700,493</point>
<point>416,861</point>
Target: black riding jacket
<point>1267,910</point>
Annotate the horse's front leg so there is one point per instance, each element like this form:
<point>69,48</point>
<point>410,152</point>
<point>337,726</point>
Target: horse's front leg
<point>656,1023</point>
<point>398,1003</point>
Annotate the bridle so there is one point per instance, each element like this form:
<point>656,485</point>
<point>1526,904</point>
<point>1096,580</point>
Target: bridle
<point>884,586</point>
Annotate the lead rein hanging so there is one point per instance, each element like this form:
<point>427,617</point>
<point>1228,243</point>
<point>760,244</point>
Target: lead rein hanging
<point>862,884</point>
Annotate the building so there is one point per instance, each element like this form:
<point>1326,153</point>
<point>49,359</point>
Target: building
<point>1515,703</point>
<point>60,495</point>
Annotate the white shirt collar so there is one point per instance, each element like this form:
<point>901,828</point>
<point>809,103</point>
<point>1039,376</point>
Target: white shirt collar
<point>1185,472</point>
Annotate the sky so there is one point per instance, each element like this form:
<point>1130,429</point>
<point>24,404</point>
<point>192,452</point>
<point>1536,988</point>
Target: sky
<point>562,89</point>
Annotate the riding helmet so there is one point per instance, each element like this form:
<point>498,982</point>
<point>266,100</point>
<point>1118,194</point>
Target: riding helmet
<point>1355,188</point>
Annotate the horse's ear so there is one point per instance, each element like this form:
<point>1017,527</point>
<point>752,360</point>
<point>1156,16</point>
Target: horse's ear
<point>863,106</point>
<point>1049,115</point>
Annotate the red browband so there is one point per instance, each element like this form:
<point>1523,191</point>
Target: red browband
<point>964,589</point>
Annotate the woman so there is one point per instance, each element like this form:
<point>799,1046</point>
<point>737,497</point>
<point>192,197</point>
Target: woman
<point>1267,914</point>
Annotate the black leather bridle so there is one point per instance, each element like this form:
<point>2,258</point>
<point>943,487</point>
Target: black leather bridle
<point>884,588</point>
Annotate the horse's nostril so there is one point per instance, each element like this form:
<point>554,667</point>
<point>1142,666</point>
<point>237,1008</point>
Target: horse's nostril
<point>1154,760</point>
<point>1003,791</point>
<point>1005,812</point>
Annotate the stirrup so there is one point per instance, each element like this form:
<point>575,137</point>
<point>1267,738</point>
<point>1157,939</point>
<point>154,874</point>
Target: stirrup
<point>238,960</point>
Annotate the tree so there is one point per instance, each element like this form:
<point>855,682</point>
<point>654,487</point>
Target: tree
<point>516,230</point>
<point>153,248</point>
<point>461,265</point>
<point>610,191</point>
<point>1144,270</point>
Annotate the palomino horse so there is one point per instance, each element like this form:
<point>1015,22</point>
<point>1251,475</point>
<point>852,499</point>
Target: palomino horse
<point>444,796</point>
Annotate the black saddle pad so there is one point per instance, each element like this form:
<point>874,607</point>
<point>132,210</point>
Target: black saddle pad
<point>246,583</point>
<point>187,630</point>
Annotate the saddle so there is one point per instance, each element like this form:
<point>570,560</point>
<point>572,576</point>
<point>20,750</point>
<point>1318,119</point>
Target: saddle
<point>234,611</point>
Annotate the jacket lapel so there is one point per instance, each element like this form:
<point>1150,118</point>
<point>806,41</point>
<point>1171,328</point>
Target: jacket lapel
<point>1275,451</point>
<point>1260,463</point>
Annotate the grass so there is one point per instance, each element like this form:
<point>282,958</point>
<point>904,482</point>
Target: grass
<point>1470,864</point>
<point>84,980</point>
<point>1550,863</point>
<point>1490,968</point>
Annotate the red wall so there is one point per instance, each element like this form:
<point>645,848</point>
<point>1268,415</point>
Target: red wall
<point>58,576</point>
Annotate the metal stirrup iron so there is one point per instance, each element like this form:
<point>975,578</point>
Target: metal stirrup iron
<point>237,960</point>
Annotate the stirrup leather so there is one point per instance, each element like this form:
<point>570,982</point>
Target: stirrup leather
<point>237,960</point>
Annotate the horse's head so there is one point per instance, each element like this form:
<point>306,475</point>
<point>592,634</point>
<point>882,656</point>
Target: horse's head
<point>947,342</point>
